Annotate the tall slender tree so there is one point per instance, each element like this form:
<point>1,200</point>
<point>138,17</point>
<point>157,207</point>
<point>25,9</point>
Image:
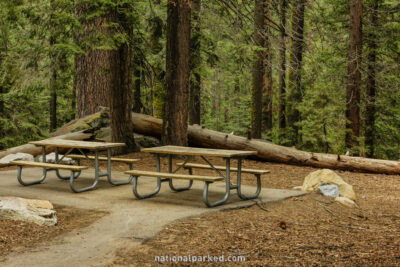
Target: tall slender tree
<point>53,71</point>
<point>295,94</point>
<point>354,74</point>
<point>175,122</point>
<point>195,63</point>
<point>261,69</point>
<point>120,90</point>
<point>371,80</point>
<point>137,73</point>
<point>267,79</point>
<point>282,64</point>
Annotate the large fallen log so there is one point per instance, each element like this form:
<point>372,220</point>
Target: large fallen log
<point>34,150</point>
<point>202,137</point>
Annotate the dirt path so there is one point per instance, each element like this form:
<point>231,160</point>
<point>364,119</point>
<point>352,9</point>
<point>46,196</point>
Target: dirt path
<point>129,222</point>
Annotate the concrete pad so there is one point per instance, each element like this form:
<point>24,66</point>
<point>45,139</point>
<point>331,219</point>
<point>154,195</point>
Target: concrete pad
<point>130,222</point>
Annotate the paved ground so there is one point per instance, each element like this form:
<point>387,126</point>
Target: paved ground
<point>130,220</point>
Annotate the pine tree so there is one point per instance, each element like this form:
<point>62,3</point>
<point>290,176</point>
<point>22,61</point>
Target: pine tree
<point>175,119</point>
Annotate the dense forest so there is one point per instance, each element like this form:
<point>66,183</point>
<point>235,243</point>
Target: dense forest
<point>320,75</point>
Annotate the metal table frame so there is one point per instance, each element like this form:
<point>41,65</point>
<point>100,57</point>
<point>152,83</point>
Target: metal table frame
<point>229,186</point>
<point>74,175</point>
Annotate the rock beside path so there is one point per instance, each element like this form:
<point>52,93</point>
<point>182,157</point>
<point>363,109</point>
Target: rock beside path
<point>326,176</point>
<point>37,211</point>
<point>18,156</point>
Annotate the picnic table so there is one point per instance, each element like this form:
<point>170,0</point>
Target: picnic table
<point>189,153</point>
<point>83,147</point>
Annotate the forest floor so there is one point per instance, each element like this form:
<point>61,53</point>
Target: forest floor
<point>16,236</point>
<point>308,230</point>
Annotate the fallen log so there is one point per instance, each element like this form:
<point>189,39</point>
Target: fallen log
<point>34,150</point>
<point>202,137</point>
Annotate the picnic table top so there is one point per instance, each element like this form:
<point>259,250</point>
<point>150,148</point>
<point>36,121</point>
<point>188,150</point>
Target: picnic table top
<point>195,151</point>
<point>76,144</point>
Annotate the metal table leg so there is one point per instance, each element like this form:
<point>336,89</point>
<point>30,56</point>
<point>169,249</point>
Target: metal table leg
<point>97,174</point>
<point>171,185</point>
<point>239,183</point>
<point>227,188</point>
<point>159,181</point>
<point>19,174</point>
<point>76,174</point>
<point>109,171</point>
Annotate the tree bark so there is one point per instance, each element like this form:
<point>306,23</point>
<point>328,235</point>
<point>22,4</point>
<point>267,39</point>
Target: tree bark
<point>158,74</point>
<point>177,73</point>
<point>267,91</point>
<point>371,82</point>
<point>137,73</point>
<point>53,86</point>
<point>295,94</point>
<point>261,70</point>
<point>195,63</point>
<point>121,83</point>
<point>91,69</point>
<point>354,75</point>
<point>282,64</point>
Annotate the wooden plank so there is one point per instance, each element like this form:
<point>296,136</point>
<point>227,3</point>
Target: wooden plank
<point>76,144</point>
<point>222,168</point>
<point>195,151</point>
<point>48,165</point>
<point>125,160</point>
<point>174,176</point>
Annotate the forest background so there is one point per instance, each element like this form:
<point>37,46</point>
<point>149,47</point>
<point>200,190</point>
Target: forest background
<point>289,69</point>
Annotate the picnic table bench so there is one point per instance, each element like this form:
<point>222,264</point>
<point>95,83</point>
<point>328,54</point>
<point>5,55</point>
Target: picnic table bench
<point>81,146</point>
<point>188,153</point>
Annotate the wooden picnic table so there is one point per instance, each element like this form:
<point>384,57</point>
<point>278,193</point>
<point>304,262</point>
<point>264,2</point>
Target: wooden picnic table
<point>189,153</point>
<point>82,147</point>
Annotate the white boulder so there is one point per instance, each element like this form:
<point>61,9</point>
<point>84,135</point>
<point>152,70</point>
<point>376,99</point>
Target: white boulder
<point>19,156</point>
<point>51,158</point>
<point>37,211</point>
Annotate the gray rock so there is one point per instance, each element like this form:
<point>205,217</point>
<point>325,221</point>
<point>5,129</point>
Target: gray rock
<point>51,158</point>
<point>329,190</point>
<point>37,211</point>
<point>19,156</point>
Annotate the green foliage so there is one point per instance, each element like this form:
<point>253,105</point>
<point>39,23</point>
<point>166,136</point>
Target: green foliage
<point>227,48</point>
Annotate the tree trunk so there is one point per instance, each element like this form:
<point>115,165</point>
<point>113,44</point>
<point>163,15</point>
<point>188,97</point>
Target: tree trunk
<point>137,73</point>
<point>177,73</point>
<point>91,69</point>
<point>201,137</point>
<point>158,74</point>
<point>282,64</point>
<point>261,79</point>
<point>121,83</point>
<point>73,98</point>
<point>371,82</point>
<point>295,94</point>
<point>195,63</point>
<point>267,90</point>
<point>53,86</point>
<point>354,75</point>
